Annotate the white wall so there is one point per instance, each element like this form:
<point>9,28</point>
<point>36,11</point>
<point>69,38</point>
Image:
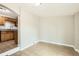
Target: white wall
<point>29,26</point>
<point>57,29</point>
<point>76,23</point>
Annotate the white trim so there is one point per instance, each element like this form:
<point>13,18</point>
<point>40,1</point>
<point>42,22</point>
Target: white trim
<point>56,43</point>
<point>29,45</point>
<point>77,50</point>
<point>10,52</point>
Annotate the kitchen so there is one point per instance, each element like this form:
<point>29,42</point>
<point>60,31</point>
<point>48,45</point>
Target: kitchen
<point>8,30</point>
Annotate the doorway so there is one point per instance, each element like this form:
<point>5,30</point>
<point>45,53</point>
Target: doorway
<point>8,29</point>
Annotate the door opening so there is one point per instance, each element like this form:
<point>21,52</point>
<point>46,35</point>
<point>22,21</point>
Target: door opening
<point>8,29</point>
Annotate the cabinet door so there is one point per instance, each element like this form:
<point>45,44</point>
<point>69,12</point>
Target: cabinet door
<point>7,35</point>
<point>2,20</point>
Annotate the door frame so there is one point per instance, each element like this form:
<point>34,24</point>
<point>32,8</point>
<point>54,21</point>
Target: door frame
<point>14,50</point>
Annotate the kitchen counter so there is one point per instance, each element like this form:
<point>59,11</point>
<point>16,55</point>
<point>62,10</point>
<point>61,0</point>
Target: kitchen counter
<point>8,29</point>
<point>3,28</point>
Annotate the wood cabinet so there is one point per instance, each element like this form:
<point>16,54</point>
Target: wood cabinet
<point>2,20</point>
<point>14,21</point>
<point>9,35</point>
<point>6,35</point>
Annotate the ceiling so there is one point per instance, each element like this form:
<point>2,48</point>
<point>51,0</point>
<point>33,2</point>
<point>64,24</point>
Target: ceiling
<point>53,9</point>
<point>4,11</point>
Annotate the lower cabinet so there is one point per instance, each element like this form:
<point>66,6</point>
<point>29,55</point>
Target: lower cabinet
<point>6,35</point>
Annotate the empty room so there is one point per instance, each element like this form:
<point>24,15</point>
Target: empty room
<point>39,29</point>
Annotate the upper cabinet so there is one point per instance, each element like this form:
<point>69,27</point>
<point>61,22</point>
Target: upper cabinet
<point>11,20</point>
<point>2,20</point>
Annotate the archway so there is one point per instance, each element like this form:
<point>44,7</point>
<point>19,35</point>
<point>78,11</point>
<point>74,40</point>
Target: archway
<point>8,29</point>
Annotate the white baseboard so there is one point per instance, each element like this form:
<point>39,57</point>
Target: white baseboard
<point>29,45</point>
<point>10,52</point>
<point>77,50</point>
<point>56,43</point>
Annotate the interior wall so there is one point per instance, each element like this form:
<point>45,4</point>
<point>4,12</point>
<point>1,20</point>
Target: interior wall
<point>58,29</point>
<point>29,26</point>
<point>76,27</point>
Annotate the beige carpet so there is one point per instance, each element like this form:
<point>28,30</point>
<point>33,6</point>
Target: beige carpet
<point>7,45</point>
<point>45,49</point>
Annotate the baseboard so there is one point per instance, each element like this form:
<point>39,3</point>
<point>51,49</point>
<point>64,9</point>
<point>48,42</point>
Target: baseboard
<point>56,43</point>
<point>10,52</point>
<point>77,50</point>
<point>29,45</point>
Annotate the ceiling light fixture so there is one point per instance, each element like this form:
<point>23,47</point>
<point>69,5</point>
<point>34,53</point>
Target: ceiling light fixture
<point>37,4</point>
